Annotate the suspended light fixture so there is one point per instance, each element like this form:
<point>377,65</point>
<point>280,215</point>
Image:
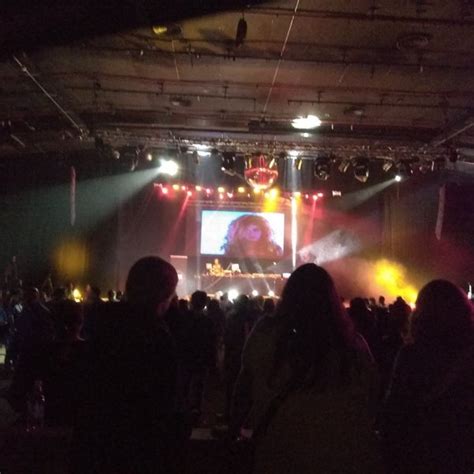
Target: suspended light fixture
<point>241,32</point>
<point>228,163</point>
<point>387,165</point>
<point>404,169</point>
<point>322,168</point>
<point>306,123</point>
<point>344,165</point>
<point>361,169</point>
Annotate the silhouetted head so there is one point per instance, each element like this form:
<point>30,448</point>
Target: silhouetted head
<point>31,295</point>
<point>183,305</point>
<point>213,306</point>
<point>313,320</point>
<point>71,317</point>
<point>59,294</point>
<point>361,316</point>
<point>443,315</point>
<point>151,284</point>
<point>269,306</point>
<point>198,300</point>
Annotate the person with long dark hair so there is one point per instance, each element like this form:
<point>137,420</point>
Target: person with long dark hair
<point>428,417</point>
<point>251,235</point>
<point>311,380</point>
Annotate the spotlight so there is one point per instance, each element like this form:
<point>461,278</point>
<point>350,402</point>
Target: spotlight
<point>306,123</point>
<point>344,166</point>
<point>254,293</point>
<point>189,193</point>
<point>168,167</point>
<point>361,169</point>
<point>271,293</point>
<point>228,163</point>
<point>149,157</point>
<point>404,169</point>
<point>398,178</point>
<point>315,197</point>
<point>176,187</point>
<point>241,190</point>
<point>220,189</point>
<point>322,168</point>
<point>198,188</point>
<point>164,190</point>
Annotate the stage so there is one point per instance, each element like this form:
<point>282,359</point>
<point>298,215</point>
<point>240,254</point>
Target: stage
<point>243,283</point>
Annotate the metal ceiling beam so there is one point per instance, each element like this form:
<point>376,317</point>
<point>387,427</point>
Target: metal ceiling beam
<point>453,130</point>
<point>140,55</point>
<point>163,83</point>
<point>80,127</point>
<point>362,17</point>
<point>253,100</point>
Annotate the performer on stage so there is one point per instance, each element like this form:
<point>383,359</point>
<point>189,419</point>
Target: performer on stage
<point>216,268</point>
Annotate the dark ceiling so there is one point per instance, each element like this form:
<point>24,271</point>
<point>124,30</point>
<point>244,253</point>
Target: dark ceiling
<point>391,78</point>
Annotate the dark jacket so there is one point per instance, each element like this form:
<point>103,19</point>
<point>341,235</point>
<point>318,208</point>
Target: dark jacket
<point>128,422</point>
<point>428,416</point>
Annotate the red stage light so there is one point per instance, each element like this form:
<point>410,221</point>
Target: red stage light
<point>315,197</point>
<point>164,190</point>
<point>190,193</point>
<point>184,188</point>
<point>230,195</point>
<point>320,195</point>
<point>221,196</point>
<point>208,191</point>
<point>306,196</point>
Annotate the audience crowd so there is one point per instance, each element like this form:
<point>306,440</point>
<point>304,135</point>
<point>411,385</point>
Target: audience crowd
<point>309,384</point>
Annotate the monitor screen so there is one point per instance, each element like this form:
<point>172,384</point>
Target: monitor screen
<point>243,234</point>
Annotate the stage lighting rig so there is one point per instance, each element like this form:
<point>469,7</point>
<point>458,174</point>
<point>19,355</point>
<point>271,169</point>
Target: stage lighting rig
<point>361,169</point>
<point>322,168</point>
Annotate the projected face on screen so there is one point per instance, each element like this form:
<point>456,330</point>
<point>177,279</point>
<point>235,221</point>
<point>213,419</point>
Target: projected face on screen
<point>242,234</point>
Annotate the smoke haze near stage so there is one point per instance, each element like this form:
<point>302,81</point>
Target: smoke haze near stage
<point>242,234</point>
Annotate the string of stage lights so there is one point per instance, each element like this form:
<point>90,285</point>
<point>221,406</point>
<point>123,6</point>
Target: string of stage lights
<point>239,193</point>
